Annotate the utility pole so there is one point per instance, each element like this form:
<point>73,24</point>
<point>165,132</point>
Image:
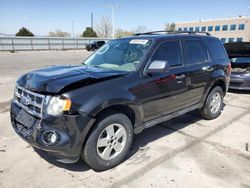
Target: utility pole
<point>92,21</point>
<point>73,29</point>
<point>74,39</point>
<point>113,7</point>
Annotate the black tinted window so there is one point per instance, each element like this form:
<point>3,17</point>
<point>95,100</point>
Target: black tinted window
<point>216,49</point>
<point>195,51</point>
<point>169,51</point>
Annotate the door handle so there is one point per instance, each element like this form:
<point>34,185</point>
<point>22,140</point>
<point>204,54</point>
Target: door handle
<point>207,68</point>
<point>182,76</point>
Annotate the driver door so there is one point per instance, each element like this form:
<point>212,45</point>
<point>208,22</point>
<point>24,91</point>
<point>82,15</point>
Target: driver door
<point>165,92</point>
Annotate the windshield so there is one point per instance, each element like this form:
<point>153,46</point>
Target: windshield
<point>122,54</point>
<point>241,60</point>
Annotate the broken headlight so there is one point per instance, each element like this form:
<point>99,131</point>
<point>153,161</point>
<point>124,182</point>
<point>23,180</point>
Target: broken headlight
<point>57,105</point>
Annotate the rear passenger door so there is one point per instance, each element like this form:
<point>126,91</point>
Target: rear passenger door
<point>198,69</point>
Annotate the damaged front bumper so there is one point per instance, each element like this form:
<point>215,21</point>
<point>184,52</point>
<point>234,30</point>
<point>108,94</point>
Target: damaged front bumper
<point>70,131</point>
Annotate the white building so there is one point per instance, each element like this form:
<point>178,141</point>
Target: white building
<point>228,29</point>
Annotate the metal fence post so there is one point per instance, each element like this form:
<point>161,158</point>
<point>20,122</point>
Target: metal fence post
<point>12,44</point>
<point>63,44</point>
<point>2,44</point>
<point>76,43</point>
<point>31,43</point>
<point>49,44</point>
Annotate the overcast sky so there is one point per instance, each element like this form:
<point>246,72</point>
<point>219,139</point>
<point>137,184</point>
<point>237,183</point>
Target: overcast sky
<point>42,16</point>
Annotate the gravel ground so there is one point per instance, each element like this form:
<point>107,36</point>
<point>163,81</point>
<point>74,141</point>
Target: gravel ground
<point>184,152</point>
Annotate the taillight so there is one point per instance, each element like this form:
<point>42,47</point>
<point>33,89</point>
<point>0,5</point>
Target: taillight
<point>229,68</point>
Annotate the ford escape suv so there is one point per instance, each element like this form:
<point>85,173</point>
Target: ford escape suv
<point>93,110</point>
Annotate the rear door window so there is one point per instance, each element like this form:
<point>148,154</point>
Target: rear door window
<point>196,52</point>
<point>216,49</point>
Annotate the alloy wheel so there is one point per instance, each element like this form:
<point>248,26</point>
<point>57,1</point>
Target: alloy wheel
<point>111,141</point>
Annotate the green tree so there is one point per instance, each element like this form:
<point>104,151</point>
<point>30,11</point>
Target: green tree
<point>89,32</point>
<point>24,32</point>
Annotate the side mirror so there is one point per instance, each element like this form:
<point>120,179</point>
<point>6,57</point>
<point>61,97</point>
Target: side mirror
<point>158,66</point>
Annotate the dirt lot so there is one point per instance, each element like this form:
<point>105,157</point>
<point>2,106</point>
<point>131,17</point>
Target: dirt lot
<point>184,152</point>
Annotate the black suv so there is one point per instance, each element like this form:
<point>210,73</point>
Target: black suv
<point>94,45</point>
<point>93,110</point>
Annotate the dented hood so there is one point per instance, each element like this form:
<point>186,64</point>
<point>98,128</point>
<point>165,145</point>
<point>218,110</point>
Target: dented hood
<point>238,49</point>
<point>62,78</point>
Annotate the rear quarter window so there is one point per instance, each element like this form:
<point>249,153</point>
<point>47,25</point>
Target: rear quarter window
<point>216,49</point>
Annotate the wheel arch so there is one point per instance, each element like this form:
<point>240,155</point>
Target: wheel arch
<point>127,106</point>
<point>127,110</point>
<point>218,82</point>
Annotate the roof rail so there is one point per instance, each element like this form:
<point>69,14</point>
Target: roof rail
<point>192,32</point>
<point>153,32</point>
<point>173,32</point>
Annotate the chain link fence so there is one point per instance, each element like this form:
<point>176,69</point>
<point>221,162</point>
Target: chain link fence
<point>45,43</point>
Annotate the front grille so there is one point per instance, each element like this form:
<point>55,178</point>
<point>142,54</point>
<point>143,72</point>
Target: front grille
<point>30,101</point>
<point>24,131</point>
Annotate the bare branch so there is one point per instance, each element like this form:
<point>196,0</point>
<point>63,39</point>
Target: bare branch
<point>59,33</point>
<point>104,27</point>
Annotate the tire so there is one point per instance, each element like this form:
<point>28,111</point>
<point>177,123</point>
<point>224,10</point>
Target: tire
<point>98,157</point>
<point>208,112</point>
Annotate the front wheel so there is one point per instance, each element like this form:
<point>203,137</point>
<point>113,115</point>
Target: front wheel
<point>213,104</point>
<point>109,143</point>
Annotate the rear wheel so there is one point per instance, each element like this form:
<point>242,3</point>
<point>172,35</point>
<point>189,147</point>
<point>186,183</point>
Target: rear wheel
<point>109,143</point>
<point>214,104</point>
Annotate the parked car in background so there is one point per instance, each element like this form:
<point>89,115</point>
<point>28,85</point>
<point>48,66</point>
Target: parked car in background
<point>93,110</point>
<point>239,54</point>
<point>94,45</point>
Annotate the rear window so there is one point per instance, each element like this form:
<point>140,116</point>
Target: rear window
<point>216,49</point>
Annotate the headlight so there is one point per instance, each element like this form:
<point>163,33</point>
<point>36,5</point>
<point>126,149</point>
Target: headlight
<point>57,106</point>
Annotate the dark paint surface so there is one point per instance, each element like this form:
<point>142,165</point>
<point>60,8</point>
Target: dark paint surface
<point>54,79</point>
<point>95,45</point>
